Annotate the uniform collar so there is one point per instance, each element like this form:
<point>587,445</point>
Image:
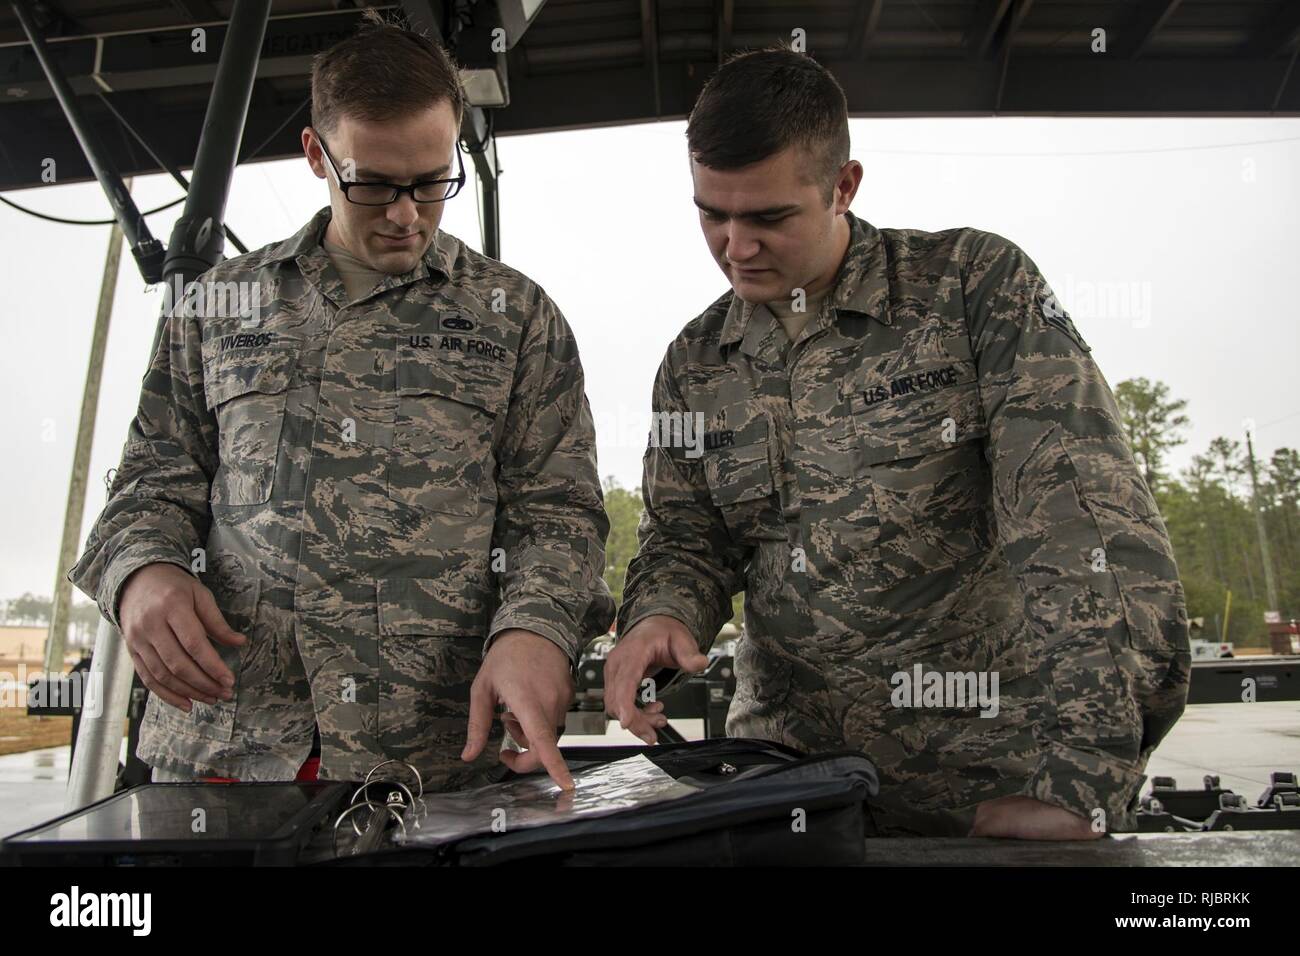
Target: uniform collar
<point>861,286</point>
<point>306,246</point>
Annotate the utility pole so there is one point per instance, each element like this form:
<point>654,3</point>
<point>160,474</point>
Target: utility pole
<point>76,505</point>
<point>1270,585</point>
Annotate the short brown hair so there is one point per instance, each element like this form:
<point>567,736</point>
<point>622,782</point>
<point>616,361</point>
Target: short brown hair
<point>380,72</point>
<point>762,101</point>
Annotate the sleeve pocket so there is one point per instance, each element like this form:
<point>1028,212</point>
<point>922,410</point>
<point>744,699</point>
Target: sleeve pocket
<point>1134,544</point>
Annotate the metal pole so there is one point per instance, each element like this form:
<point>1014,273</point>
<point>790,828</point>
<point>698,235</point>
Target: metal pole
<point>76,505</point>
<point>1270,585</point>
<point>481,144</point>
<point>198,237</point>
<point>106,694</point>
<point>146,249</point>
<point>491,213</point>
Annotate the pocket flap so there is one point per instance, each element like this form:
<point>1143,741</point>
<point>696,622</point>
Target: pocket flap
<point>232,374</point>
<point>471,379</point>
<point>930,410</point>
<point>741,471</point>
<point>446,606</point>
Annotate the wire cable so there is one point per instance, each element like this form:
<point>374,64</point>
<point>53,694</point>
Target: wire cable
<point>175,202</point>
<point>85,222</point>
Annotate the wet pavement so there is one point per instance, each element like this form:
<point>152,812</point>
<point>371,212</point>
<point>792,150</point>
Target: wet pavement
<point>32,787</point>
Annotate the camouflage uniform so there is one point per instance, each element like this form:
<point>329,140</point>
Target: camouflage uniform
<point>350,470</point>
<point>933,472</point>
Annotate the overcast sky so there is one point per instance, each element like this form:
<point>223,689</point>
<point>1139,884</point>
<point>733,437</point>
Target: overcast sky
<point>1173,244</point>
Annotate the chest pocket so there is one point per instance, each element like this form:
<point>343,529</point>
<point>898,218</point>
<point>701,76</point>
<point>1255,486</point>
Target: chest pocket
<point>739,476</point>
<point>443,437</point>
<point>247,390</point>
<point>920,442</point>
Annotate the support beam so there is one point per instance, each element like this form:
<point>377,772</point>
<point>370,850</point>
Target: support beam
<point>197,11</point>
<point>56,21</point>
<point>164,59</point>
<point>725,15</point>
<point>1146,21</point>
<point>980,35</point>
<point>480,143</point>
<point>162,163</point>
<point>147,251</point>
<point>1279,35</point>
<point>866,19</point>
<point>198,238</point>
<point>650,48</point>
<point>1286,78</point>
<point>1019,11</point>
<point>302,109</point>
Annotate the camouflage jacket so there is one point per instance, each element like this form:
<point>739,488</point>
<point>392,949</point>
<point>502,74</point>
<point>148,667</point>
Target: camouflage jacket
<point>933,475</point>
<point>374,488</point>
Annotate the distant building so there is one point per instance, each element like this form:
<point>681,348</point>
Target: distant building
<point>22,644</point>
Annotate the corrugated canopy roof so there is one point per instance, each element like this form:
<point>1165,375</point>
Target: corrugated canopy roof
<point>597,62</point>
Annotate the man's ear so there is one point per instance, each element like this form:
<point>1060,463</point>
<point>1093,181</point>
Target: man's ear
<point>846,186</point>
<point>311,149</point>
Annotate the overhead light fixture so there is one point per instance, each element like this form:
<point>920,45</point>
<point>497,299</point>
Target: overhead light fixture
<point>485,84</point>
<point>516,16</point>
<point>497,25</point>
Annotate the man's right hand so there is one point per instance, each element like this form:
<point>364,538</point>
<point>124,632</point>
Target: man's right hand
<point>169,621</point>
<point>655,642</point>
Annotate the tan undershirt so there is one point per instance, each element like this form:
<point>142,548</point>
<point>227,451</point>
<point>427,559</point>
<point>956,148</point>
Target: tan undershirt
<point>793,322</point>
<point>358,278</point>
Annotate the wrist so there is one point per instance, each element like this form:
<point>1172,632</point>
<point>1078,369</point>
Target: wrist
<point>521,637</point>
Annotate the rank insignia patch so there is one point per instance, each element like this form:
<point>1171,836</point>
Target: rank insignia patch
<point>1056,317</point>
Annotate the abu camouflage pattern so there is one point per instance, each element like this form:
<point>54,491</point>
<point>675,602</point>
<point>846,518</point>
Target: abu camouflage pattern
<point>378,486</point>
<point>933,473</point>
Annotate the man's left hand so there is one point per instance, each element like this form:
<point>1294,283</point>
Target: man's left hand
<point>1024,818</point>
<point>530,677</point>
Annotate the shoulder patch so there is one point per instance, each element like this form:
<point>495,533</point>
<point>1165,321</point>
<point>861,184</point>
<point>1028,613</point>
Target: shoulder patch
<point>1055,317</point>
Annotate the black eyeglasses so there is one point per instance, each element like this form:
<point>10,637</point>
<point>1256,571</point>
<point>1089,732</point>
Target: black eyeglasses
<point>381,194</point>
